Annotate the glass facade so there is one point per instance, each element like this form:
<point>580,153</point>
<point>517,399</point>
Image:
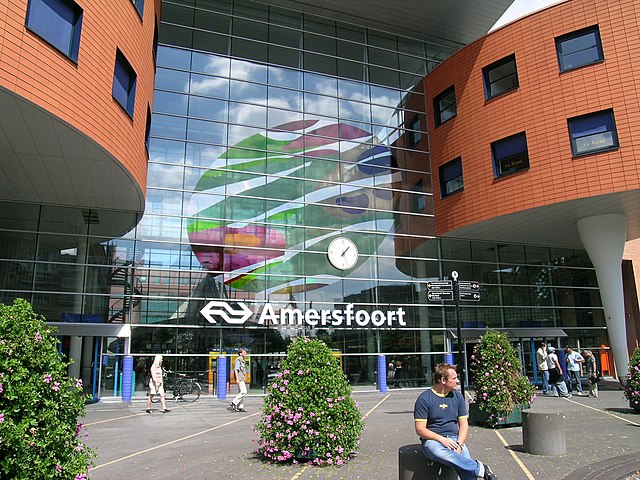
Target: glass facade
<point>274,133</point>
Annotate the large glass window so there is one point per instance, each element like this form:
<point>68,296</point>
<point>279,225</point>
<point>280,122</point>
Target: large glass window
<point>444,106</point>
<point>451,180</point>
<point>124,83</point>
<point>510,154</point>
<point>59,22</point>
<point>580,48</point>
<point>595,132</point>
<point>500,77</point>
<point>139,4</point>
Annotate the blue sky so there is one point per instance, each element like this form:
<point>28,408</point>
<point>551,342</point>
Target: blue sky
<point>522,7</point>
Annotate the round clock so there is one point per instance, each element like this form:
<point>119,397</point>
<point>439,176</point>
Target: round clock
<point>342,253</point>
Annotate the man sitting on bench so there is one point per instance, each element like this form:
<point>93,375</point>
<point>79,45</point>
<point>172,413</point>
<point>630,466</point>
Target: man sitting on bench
<point>442,423</point>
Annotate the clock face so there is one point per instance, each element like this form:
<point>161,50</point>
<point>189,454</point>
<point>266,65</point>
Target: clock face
<point>342,253</point>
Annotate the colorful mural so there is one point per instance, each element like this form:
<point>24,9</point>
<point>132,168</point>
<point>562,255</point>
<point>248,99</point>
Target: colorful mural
<point>302,184</point>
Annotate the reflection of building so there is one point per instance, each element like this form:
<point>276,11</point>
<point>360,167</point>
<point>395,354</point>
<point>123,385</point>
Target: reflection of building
<point>277,127</point>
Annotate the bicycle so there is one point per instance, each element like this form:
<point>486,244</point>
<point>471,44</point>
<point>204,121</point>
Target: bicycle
<point>184,389</point>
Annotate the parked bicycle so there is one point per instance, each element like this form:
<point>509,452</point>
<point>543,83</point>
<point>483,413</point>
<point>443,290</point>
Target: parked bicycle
<point>184,389</point>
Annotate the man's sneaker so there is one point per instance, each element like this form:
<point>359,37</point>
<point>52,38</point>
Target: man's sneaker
<point>148,410</point>
<point>241,409</point>
<point>488,474</point>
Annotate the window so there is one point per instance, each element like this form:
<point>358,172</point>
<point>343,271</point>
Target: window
<point>58,22</point>
<point>414,135</point>
<point>591,133</point>
<point>418,200</point>
<point>451,180</point>
<point>444,106</point>
<point>500,77</point>
<point>147,131</point>
<point>580,48</point>
<point>124,83</point>
<point>510,154</point>
<point>139,4</point>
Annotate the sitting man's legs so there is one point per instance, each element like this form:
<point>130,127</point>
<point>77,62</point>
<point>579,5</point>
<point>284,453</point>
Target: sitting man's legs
<point>466,467</point>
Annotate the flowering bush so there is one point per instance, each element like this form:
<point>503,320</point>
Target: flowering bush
<point>309,413</point>
<point>632,384</point>
<point>497,377</point>
<point>39,404</point>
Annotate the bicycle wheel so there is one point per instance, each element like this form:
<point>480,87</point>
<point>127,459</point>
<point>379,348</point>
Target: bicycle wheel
<point>189,391</point>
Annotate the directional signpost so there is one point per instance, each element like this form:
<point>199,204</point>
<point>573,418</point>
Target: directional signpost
<point>440,290</point>
<point>465,291</point>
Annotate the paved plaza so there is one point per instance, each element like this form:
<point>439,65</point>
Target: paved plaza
<point>206,440</point>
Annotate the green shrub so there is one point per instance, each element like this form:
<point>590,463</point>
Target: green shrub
<point>632,383</point>
<point>497,377</point>
<point>309,413</point>
<point>39,404</point>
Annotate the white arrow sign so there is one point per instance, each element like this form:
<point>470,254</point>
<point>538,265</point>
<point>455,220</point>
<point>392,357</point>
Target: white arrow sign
<point>223,309</point>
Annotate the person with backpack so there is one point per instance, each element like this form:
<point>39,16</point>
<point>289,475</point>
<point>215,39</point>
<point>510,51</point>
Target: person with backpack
<point>593,376</point>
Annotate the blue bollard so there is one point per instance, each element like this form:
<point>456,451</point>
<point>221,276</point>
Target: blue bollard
<point>127,371</point>
<point>222,377</point>
<point>382,373</point>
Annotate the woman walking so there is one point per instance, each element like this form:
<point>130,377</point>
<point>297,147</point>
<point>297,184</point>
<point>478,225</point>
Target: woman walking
<point>156,385</point>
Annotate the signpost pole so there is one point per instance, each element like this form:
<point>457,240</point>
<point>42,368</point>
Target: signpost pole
<point>460,361</point>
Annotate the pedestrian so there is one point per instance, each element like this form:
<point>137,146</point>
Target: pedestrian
<point>573,359</point>
<point>140,370</point>
<point>543,367</point>
<point>156,384</point>
<point>240,369</point>
<point>391,373</point>
<point>593,376</point>
<point>442,423</point>
<point>556,376</point>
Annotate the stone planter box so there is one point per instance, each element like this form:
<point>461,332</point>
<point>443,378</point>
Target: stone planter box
<point>480,417</point>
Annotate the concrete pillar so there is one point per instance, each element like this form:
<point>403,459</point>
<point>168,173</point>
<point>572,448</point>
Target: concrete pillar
<point>75,352</point>
<point>604,236</point>
<point>543,432</point>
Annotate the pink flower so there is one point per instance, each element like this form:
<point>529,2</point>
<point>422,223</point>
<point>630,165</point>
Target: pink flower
<point>56,386</point>
<point>58,468</point>
<point>79,383</point>
<point>1,417</point>
<point>47,378</point>
<point>38,337</point>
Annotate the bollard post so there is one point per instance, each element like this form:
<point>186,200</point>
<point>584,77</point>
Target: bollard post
<point>543,432</point>
<point>382,373</point>
<point>127,371</point>
<point>221,371</point>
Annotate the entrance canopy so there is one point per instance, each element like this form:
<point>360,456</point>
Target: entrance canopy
<point>514,332</point>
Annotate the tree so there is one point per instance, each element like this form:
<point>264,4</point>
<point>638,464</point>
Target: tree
<point>40,436</point>
<point>309,413</point>
<point>497,376</point>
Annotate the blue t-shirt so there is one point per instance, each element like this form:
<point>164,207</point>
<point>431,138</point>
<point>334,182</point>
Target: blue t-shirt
<point>441,412</point>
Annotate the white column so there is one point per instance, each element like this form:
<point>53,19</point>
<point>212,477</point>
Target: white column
<point>75,346</point>
<point>604,236</point>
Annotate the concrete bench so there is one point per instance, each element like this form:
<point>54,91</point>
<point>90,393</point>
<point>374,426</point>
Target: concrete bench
<point>543,432</point>
<point>413,465</point>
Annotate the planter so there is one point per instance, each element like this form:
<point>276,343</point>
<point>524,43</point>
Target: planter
<point>480,417</point>
<point>634,405</point>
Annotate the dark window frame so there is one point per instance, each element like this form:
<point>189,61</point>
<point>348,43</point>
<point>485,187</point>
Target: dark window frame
<point>122,67</point>
<point>34,23</point>
<point>575,136</point>
<point>438,109</point>
<point>418,197</point>
<point>414,135</point>
<point>489,82</point>
<point>562,41</point>
<point>446,173</point>
<point>506,162</point>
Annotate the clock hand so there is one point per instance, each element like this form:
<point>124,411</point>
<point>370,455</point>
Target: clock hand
<point>345,251</point>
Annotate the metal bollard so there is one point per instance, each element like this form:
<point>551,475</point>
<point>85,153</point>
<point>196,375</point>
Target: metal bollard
<point>413,465</point>
<point>543,432</point>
